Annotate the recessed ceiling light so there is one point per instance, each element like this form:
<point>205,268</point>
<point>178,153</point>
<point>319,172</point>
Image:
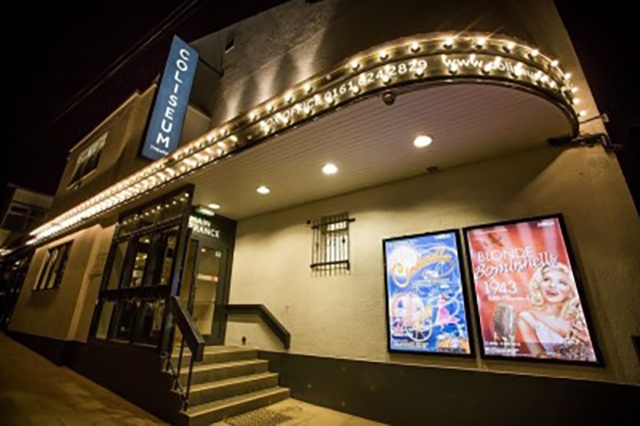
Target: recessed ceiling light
<point>330,169</point>
<point>214,206</point>
<point>263,190</point>
<point>422,140</point>
<point>205,211</point>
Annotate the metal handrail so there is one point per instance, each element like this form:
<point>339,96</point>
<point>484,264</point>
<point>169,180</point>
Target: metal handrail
<point>269,319</point>
<point>194,341</point>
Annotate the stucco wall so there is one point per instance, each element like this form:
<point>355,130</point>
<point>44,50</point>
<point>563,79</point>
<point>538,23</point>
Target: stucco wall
<point>344,315</point>
<point>63,313</point>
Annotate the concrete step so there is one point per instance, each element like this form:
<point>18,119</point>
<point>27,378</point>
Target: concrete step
<point>221,371</point>
<point>206,414</point>
<point>217,354</point>
<point>214,391</point>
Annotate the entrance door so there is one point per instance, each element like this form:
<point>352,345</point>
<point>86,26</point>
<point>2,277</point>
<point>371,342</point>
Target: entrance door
<point>204,281</point>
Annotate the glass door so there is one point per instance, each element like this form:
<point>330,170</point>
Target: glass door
<point>204,274</point>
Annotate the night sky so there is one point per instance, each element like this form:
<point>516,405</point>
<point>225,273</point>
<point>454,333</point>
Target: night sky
<point>62,49</point>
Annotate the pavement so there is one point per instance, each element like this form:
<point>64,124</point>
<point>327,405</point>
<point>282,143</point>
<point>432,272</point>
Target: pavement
<point>34,391</point>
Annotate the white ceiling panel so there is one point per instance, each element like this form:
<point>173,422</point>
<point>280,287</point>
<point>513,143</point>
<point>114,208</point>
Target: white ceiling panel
<point>372,144</point>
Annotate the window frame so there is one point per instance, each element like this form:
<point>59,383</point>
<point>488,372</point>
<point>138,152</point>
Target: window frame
<point>89,156</point>
<point>53,268</point>
<point>330,249</point>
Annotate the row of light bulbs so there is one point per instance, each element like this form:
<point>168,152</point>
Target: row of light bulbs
<point>220,142</point>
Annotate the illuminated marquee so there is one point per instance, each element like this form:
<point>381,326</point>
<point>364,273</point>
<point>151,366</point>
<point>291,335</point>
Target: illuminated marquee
<point>435,59</point>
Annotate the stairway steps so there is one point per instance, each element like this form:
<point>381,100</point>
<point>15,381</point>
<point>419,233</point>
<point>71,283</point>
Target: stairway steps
<point>205,414</point>
<point>221,371</point>
<point>218,390</point>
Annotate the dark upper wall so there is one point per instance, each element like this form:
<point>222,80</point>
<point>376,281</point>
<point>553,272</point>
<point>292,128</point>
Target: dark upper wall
<point>118,158</point>
<point>292,42</point>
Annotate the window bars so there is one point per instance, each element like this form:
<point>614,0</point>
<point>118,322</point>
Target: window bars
<point>330,249</point>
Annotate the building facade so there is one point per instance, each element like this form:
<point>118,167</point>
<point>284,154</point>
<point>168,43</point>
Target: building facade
<point>241,214</point>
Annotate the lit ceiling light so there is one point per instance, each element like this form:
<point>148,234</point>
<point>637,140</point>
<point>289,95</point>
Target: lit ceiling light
<point>510,46</point>
<point>481,42</point>
<point>422,141</point>
<point>534,53</point>
<point>576,101</point>
<point>567,76</point>
<point>448,42</point>
<point>263,190</point>
<point>574,90</point>
<point>355,65</point>
<point>214,206</point>
<point>554,63</point>
<point>205,211</point>
<point>582,113</point>
<point>383,54</point>
<point>330,169</point>
<point>415,46</point>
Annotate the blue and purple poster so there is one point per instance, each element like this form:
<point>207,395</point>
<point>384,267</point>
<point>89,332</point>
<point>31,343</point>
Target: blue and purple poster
<point>425,297</point>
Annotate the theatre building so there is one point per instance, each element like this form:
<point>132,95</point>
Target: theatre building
<point>406,211</point>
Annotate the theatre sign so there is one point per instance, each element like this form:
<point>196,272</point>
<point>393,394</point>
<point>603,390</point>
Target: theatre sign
<point>171,102</point>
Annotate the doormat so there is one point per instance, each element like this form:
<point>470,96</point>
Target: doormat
<point>262,417</point>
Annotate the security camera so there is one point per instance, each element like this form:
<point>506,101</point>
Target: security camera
<point>389,98</point>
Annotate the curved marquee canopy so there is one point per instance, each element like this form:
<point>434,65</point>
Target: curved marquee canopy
<point>434,59</point>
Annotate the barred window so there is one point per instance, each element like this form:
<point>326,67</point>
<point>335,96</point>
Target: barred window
<point>55,260</point>
<point>330,250</point>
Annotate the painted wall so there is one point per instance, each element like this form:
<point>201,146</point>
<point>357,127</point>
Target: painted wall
<point>343,316</point>
<point>64,313</point>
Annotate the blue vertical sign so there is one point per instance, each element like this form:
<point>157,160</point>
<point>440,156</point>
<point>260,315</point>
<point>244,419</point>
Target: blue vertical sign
<point>167,117</point>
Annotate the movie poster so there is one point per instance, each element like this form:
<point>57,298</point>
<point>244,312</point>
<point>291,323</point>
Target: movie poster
<point>425,299</point>
<point>526,292</point>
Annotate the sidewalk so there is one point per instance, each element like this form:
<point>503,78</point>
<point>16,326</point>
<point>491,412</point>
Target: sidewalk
<point>33,391</point>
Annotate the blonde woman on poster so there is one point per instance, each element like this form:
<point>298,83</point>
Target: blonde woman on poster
<point>555,326</point>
